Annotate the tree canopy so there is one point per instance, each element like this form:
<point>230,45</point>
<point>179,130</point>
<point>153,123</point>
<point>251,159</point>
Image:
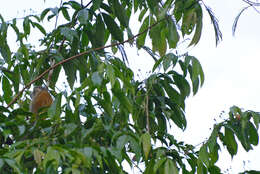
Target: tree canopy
<point>108,118</point>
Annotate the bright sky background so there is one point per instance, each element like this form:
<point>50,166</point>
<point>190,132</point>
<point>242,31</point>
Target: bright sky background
<point>231,69</point>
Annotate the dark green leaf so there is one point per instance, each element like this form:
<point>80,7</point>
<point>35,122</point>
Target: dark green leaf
<point>96,4</point>
<point>172,35</point>
<point>253,135</point>
<point>120,13</point>
<point>141,39</point>
<point>141,15</point>
<point>55,110</point>
<point>182,84</point>
<point>203,155</point>
<point>44,13</point>
<point>100,32</point>
<point>65,13</point>
<point>70,71</point>
<point>16,79</point>
<point>26,26</point>
<point>113,28</point>
<point>157,35</point>
<point>39,27</point>
<point>120,95</point>
<point>7,89</point>
<point>4,49</point>
<point>166,62</point>
<point>172,93</point>
<point>256,118</point>
<point>213,139</point>
<point>75,5</point>
<point>230,142</point>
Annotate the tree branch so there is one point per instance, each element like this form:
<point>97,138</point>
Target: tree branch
<point>79,55</point>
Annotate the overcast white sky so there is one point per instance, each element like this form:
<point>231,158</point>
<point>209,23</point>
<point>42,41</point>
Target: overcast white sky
<point>231,69</point>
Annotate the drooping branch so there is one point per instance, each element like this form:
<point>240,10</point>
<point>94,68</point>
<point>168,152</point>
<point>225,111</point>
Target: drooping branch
<point>79,55</point>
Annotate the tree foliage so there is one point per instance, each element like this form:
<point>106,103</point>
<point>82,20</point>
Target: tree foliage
<point>108,117</point>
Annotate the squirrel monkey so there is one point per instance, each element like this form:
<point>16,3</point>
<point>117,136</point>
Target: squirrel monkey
<point>40,98</point>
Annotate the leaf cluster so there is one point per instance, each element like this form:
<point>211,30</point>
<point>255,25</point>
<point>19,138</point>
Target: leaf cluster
<point>108,117</point>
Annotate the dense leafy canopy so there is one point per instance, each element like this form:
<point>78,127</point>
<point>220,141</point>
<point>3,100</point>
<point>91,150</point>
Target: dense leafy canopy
<point>108,117</point>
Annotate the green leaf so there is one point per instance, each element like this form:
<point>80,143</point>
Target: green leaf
<point>4,49</point>
<point>44,13</point>
<point>166,62</point>
<point>55,110</point>
<point>213,138</point>
<point>120,13</point>
<point>113,27</point>
<point>253,135</point>
<point>141,39</point>
<point>230,141</point>
<point>158,164</point>
<point>153,5</point>
<point>203,155</point>
<point>96,4</point>
<point>170,167</point>
<point>39,27</point>
<point>176,114</point>
<point>75,5</point>
<point>172,35</point>
<point>7,89</point>
<point>83,16</point>
<point>162,44</point>
<point>121,141</point>
<point>26,26</point>
<point>256,118</point>
<point>55,76</point>
<point>16,79</point>
<point>157,63</point>
<point>100,32</point>
<point>141,15</point>
<point>172,93</point>
<point>65,13</point>
<point>70,71</point>
<point>52,157</point>
<point>197,34</point>
<point>146,142</point>
<point>122,98</point>
<point>182,84</point>
<point>111,74</point>
<point>157,34</point>
<point>189,21</point>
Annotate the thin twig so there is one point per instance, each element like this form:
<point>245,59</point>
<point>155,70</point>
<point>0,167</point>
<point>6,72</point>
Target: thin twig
<point>79,55</point>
